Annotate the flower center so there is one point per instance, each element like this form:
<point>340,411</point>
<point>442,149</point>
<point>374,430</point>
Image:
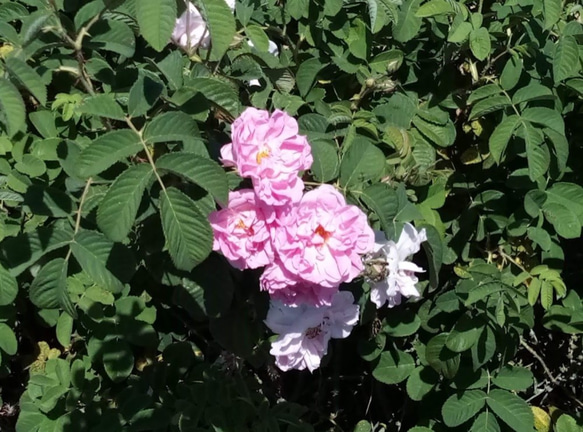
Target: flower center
<point>262,154</point>
<point>248,230</point>
<point>323,233</point>
<point>313,332</point>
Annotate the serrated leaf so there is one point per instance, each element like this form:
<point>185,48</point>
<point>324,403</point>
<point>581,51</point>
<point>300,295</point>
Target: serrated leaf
<point>92,250</point>
<point>49,288</point>
<point>393,367</point>
<point>156,19</point>
<point>12,111</point>
<point>533,91</point>
<point>8,287</point>
<point>513,410</point>
<point>537,152</point>
<point>563,219</point>
<point>383,200</point>
<point>118,209</point>
<point>485,422</point>
<point>465,334</point>
<point>113,35</point>
<point>8,342</point>
<point>440,358</point>
<point>362,161</point>
<point>217,92</point>
<point>551,12</point>
<point>258,37</point>
<point>546,117</point>
<point>64,329</point>
<point>421,381</point>
<point>102,105</point>
<point>501,135</point>
<point>566,59</point>
<point>513,378</point>
<point>491,104</point>
<point>144,93</point>
<point>106,150</point>
<point>326,162</point>
<point>433,8</point>
<point>118,359</point>
<point>171,126</point>
<point>188,234</point>
<point>222,27</point>
<point>307,73</point>
<point>202,171</point>
<point>408,24</point>
<point>511,73</point>
<point>480,43</point>
<point>461,407</point>
<point>28,77</point>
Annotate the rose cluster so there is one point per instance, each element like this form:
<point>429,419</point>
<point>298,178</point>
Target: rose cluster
<point>308,243</point>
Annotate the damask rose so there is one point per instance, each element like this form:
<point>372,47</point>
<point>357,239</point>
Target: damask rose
<point>322,239</point>
<point>241,232</point>
<point>304,331</point>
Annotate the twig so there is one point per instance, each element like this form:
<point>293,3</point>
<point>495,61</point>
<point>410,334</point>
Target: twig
<point>79,212</point>
<point>548,372</point>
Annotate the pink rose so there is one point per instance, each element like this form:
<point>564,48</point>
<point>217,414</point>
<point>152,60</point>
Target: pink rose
<point>304,331</point>
<point>269,150</point>
<point>289,289</point>
<point>241,232</point>
<point>322,239</point>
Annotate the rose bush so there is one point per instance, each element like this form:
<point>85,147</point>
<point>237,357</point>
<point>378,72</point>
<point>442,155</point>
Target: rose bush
<point>339,215</point>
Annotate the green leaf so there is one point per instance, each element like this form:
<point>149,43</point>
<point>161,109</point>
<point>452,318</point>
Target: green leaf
<point>326,162</point>
<point>461,407</point>
<point>537,152</point>
<point>491,104</point>
<point>563,219</point>
<point>144,93</point>
<point>480,43</point>
<point>107,150</point>
<point>64,329</point>
<point>28,77</point>
<point>465,334</point>
<point>118,209</point>
<point>200,170</point>
<point>113,35</point>
<point>383,200</point>
<point>12,112</point>
<point>421,381</point>
<point>485,422</point>
<point>49,288</point>
<point>8,342</point>
<point>8,287</point>
<point>118,359</point>
<point>171,126</point>
<point>484,92</point>
<point>433,8</point>
<point>362,161</point>
<point>221,23</point>
<point>533,91</point>
<point>566,59</point>
<point>501,135</point>
<point>511,73</point>
<point>258,37</point>
<point>217,92</point>
<point>156,19</point>
<point>93,251</point>
<point>566,423</point>
<point>440,358</point>
<point>393,367</point>
<point>306,75</point>
<point>188,234</point>
<point>551,12</point>
<point>513,410</point>
<point>546,117</point>
<point>101,105</point>
<point>513,378</point>
<point>408,23</point>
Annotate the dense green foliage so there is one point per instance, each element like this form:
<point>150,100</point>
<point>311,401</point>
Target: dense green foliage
<point>463,117</point>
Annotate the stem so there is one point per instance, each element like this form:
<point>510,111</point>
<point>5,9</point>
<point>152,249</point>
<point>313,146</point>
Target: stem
<point>553,380</point>
<point>147,151</point>
<point>80,211</point>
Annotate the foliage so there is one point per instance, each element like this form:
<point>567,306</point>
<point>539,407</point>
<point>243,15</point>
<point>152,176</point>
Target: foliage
<point>458,116</point>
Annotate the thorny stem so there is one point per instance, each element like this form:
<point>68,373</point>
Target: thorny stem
<point>548,372</point>
<point>512,260</point>
<point>147,151</point>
